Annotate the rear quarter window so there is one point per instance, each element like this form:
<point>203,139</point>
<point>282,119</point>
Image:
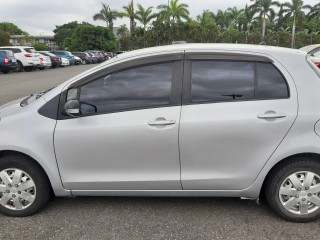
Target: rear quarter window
<point>271,83</point>
<point>30,50</point>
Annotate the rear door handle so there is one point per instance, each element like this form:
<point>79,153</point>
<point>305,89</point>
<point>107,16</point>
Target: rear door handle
<point>271,115</point>
<point>161,122</point>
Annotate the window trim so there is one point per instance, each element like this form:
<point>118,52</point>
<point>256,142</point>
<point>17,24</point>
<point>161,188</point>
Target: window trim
<point>176,82</point>
<point>190,57</point>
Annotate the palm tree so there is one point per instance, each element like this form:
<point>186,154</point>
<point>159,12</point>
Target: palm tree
<point>144,16</point>
<point>234,15</point>
<point>264,9</point>
<point>107,15</point>
<point>222,19</point>
<point>130,13</point>
<point>246,18</point>
<point>314,11</point>
<point>294,8</point>
<point>174,12</point>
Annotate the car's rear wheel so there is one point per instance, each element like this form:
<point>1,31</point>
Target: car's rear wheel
<point>293,189</point>
<point>24,187</point>
<point>19,67</point>
<point>5,71</point>
<point>28,69</point>
<point>83,61</point>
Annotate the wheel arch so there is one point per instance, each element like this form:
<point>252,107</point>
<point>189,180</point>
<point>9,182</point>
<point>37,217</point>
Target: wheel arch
<point>12,152</point>
<point>284,161</point>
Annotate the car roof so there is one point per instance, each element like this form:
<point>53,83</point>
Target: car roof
<point>16,47</point>
<point>310,47</point>
<point>202,47</point>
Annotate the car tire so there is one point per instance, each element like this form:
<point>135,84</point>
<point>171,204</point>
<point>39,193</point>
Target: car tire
<point>42,68</point>
<point>25,187</point>
<point>19,67</point>
<point>84,62</point>
<point>5,72</point>
<point>28,69</point>
<point>293,189</point>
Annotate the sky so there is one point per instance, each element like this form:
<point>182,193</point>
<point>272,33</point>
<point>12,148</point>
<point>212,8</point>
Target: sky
<point>39,17</point>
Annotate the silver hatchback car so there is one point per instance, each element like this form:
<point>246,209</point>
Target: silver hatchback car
<point>183,120</point>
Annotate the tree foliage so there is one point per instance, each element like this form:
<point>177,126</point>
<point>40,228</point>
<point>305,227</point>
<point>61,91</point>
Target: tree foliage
<point>12,29</point>
<point>290,24</point>
<point>4,38</point>
<point>87,36</point>
<point>76,36</point>
<point>39,47</point>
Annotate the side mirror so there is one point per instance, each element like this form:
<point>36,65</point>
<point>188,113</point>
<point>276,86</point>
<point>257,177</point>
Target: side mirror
<point>72,108</point>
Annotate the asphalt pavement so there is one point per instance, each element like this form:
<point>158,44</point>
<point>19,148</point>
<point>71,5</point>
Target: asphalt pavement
<point>139,218</point>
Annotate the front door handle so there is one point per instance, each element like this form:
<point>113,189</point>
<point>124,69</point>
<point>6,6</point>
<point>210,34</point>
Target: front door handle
<point>161,122</point>
<point>271,115</point>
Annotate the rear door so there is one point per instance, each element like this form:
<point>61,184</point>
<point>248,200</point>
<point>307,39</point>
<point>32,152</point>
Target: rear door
<point>237,109</point>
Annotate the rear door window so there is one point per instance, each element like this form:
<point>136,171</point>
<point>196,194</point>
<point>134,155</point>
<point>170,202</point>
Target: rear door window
<point>225,80</point>
<point>215,81</point>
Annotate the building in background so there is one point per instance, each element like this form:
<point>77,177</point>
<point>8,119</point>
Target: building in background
<point>22,40</point>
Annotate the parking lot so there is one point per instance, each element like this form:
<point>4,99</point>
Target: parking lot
<point>134,217</point>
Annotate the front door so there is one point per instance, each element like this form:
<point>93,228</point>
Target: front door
<point>126,137</point>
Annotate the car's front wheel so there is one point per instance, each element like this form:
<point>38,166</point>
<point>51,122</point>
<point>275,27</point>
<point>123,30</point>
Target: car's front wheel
<point>293,189</point>
<point>24,187</point>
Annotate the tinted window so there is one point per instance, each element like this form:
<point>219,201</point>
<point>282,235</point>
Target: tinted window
<point>222,81</point>
<point>314,51</point>
<point>3,54</point>
<point>30,50</point>
<point>271,83</point>
<point>58,53</point>
<point>10,53</point>
<point>138,87</point>
<point>16,50</point>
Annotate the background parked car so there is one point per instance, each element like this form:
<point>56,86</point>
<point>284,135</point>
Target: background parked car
<point>65,62</point>
<point>77,60</point>
<point>314,53</point>
<point>93,57</point>
<point>7,61</point>
<point>55,60</point>
<point>85,57</point>
<point>45,62</point>
<point>100,56</point>
<point>64,54</point>
<point>110,54</point>
<point>27,58</point>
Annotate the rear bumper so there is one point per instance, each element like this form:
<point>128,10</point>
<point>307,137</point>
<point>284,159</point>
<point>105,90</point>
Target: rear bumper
<point>8,67</point>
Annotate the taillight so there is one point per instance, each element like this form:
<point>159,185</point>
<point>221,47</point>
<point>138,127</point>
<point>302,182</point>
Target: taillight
<point>42,59</point>
<point>55,59</point>
<point>28,55</point>
<point>318,64</point>
<point>6,61</point>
